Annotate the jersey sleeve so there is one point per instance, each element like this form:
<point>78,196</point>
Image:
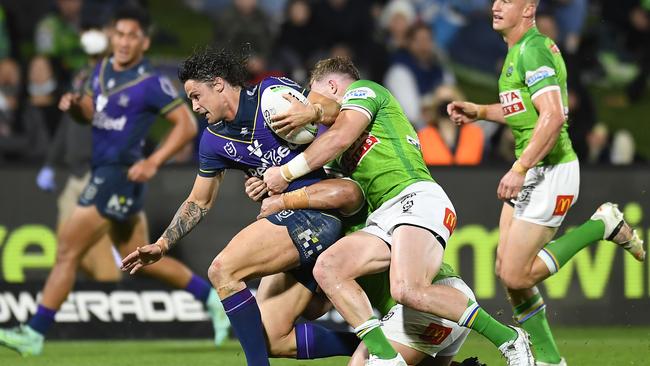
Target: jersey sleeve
<point>538,69</point>
<point>210,163</point>
<point>162,95</point>
<point>365,97</point>
<point>270,81</point>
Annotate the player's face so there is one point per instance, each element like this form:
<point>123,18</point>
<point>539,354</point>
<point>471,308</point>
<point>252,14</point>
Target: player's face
<point>129,42</point>
<point>507,14</point>
<point>206,100</point>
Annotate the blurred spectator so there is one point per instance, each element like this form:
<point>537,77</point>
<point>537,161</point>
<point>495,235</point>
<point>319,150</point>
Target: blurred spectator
<point>244,22</point>
<point>447,17</point>
<point>297,40</point>
<point>396,19</point>
<point>442,141</point>
<point>351,23</point>
<point>416,72</point>
<point>640,42</point>
<point>59,56</point>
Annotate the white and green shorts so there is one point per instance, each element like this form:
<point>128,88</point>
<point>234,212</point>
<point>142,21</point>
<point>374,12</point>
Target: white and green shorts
<point>423,204</point>
<point>548,193</point>
<point>424,332</point>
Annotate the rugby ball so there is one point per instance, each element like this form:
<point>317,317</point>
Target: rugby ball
<point>273,103</point>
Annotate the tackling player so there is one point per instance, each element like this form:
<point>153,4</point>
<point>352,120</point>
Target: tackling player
<point>376,146</point>
<point>419,337</point>
<point>543,183</point>
<point>124,97</point>
<point>290,241</point>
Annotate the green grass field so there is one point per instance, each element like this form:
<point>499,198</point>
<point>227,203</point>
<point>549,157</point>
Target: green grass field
<point>581,346</point>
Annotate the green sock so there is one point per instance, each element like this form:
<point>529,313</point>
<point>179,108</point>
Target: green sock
<point>373,337</point>
<point>531,315</point>
<point>479,320</point>
<point>556,253</point>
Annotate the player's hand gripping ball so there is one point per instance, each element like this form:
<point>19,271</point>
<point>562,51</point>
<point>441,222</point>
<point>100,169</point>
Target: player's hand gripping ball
<point>274,103</point>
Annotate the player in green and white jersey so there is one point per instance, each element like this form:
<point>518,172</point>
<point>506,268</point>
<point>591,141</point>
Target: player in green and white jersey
<point>543,183</point>
<point>422,339</point>
<point>378,148</point>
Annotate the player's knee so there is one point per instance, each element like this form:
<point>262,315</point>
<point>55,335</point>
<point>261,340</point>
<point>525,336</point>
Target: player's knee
<point>326,266</point>
<point>402,292</point>
<point>278,346</point>
<point>66,252</point>
<point>217,272</point>
<point>516,280</point>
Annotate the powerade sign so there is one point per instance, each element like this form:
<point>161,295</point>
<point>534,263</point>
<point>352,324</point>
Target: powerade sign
<point>131,309</point>
<point>597,280</point>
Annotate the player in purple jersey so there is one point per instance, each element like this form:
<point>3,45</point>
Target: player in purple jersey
<point>289,241</point>
<point>124,98</point>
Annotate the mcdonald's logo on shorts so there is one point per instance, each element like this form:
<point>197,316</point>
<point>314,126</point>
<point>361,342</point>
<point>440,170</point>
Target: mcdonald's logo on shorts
<point>562,205</point>
<point>435,333</point>
<point>450,220</point>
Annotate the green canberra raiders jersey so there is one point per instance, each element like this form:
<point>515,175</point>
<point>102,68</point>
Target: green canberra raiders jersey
<point>386,158</point>
<point>533,66</point>
<point>377,287</point>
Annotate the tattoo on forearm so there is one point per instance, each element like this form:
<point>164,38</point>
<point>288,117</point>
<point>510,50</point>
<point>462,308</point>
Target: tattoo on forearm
<point>186,218</point>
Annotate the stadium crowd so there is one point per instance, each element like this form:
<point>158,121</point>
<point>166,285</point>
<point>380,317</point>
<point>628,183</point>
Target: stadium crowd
<point>426,52</point>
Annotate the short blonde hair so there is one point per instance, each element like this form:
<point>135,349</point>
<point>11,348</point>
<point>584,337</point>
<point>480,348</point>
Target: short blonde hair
<point>334,65</point>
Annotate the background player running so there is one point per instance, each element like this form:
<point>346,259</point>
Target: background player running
<point>123,99</point>
<point>544,180</point>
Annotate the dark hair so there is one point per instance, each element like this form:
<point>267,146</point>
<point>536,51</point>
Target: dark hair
<point>334,65</point>
<point>205,64</point>
<point>137,13</point>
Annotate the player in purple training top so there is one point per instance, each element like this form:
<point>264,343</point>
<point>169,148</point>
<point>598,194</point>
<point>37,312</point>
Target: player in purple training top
<point>289,241</point>
<point>124,97</point>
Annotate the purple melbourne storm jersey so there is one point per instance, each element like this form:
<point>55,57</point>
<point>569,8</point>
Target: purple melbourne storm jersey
<point>247,144</point>
<point>126,105</point>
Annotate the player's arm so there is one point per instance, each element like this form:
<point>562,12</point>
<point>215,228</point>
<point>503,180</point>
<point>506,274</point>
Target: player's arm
<point>80,107</point>
<point>189,214</point>
<point>343,195</point>
<point>466,112</point>
<point>184,129</point>
<point>349,125</point>
<point>547,130</point>
<point>320,109</point>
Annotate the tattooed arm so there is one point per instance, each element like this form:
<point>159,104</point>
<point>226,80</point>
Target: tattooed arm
<point>187,217</point>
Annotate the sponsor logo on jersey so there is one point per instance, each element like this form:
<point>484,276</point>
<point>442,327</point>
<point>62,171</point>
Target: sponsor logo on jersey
<point>167,87</point>
<point>554,48</point>
<point>104,122</point>
<point>562,204</point>
<point>359,93</point>
<point>413,141</point>
<point>407,202</point>
<point>310,243</point>
<point>123,100</point>
<point>352,157</point>
<point>512,103</point>
<point>450,220</point>
<point>533,77</point>
<point>509,71</point>
<point>435,333</point>
<point>230,149</point>
<point>118,204</point>
<point>255,149</point>
<point>100,102</point>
